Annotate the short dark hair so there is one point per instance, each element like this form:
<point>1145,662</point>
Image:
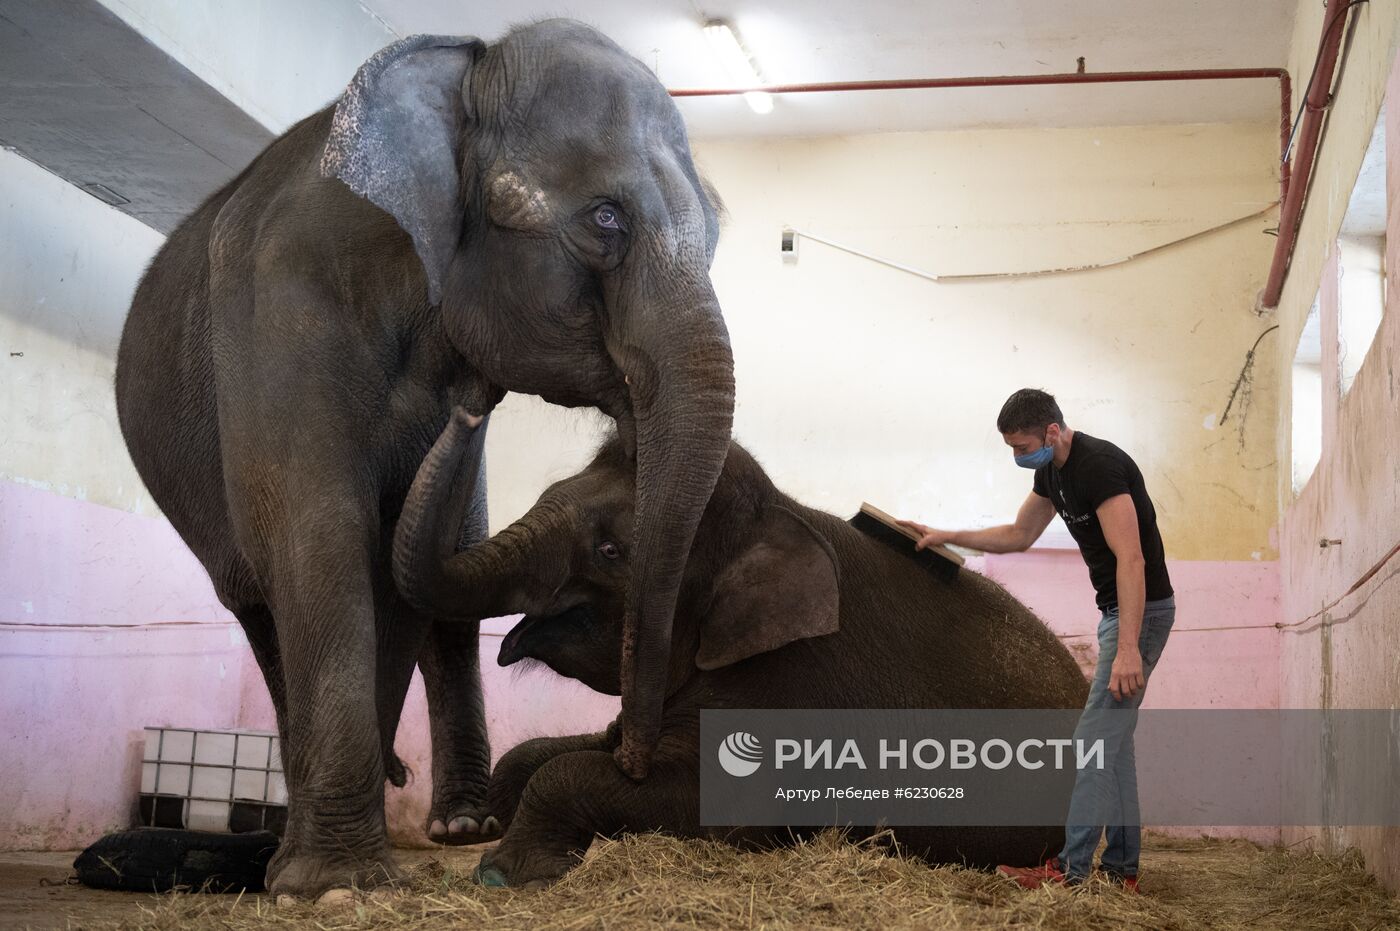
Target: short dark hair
<point>1029,409</point>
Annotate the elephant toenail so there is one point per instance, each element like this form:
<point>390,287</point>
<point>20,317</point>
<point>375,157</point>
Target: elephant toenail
<point>437,829</point>
<point>464,825</point>
<point>490,825</point>
<point>336,897</point>
<point>490,876</point>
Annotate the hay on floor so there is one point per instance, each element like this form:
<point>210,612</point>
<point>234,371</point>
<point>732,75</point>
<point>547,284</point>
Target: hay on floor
<point>649,881</point>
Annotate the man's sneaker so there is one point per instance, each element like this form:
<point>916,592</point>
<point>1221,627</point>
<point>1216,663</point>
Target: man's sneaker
<point>1128,884</point>
<point>1033,877</point>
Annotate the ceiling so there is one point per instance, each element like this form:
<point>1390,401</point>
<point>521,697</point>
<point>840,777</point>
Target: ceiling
<point>801,41</point>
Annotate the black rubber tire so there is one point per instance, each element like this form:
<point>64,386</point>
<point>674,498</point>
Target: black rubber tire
<point>161,859</point>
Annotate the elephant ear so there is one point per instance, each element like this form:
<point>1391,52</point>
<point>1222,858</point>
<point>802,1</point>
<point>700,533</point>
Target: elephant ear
<point>394,141</point>
<point>783,587</point>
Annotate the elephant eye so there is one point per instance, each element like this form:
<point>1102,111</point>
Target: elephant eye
<point>609,550</point>
<point>606,217</point>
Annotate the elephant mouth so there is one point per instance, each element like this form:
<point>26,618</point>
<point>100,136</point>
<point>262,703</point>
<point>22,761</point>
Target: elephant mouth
<point>518,643</point>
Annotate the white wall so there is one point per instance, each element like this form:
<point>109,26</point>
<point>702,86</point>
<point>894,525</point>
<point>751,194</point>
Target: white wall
<point>68,266</point>
<point>1307,421</point>
<point>1360,302</point>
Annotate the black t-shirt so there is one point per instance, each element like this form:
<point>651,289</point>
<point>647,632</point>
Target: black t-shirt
<point>1095,471</point>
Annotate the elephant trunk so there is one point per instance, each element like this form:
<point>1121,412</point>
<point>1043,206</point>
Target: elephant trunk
<point>680,375</point>
<point>481,581</point>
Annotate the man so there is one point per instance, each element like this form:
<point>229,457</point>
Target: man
<point>1099,493</point>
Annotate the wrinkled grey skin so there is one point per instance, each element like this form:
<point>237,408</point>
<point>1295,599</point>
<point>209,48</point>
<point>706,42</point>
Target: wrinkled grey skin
<point>782,606</point>
<point>467,219</point>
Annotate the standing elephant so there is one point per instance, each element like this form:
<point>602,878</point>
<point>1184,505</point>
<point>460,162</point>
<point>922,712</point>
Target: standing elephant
<point>781,606</point>
<point>467,219</point>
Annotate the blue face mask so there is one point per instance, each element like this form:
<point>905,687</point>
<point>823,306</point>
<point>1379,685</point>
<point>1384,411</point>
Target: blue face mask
<point>1038,458</point>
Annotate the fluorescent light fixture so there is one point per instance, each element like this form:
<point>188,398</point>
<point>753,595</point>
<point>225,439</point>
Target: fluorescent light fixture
<point>738,64</point>
<point>759,102</point>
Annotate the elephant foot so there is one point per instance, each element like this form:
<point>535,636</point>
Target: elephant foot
<point>463,825</point>
<point>529,869</point>
<point>328,878</point>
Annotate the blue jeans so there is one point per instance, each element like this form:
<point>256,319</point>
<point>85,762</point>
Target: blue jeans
<point>1109,795</point>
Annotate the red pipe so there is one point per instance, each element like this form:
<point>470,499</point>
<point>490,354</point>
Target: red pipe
<point>996,80</point>
<point>1292,196</point>
<point>1290,217</point>
<point>1022,80</point>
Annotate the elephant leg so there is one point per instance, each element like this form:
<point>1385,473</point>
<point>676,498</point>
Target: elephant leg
<point>515,770</point>
<point>400,635</point>
<point>322,596</point>
<point>575,796</point>
<point>457,721</point>
<point>451,667</point>
<point>261,632</point>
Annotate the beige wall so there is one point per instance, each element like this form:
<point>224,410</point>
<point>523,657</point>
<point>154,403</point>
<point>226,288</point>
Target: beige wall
<point>1341,653</point>
<point>857,381</point>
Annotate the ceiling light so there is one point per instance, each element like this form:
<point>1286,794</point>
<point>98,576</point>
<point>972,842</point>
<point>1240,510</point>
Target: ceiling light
<point>738,64</point>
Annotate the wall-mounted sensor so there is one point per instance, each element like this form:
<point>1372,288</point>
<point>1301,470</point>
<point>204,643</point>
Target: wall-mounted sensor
<point>789,245</point>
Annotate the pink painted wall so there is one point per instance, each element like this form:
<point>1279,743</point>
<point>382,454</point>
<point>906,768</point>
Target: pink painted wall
<point>1341,650</point>
<point>75,697</point>
<point>108,624</point>
<point>1200,668</point>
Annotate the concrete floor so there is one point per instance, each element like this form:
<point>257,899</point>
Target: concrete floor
<point>35,892</point>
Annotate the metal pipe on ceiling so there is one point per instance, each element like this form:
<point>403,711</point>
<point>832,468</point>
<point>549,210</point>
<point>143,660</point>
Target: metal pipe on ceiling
<point>1025,80</point>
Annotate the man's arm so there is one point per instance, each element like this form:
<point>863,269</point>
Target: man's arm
<point>1031,521</point>
<point>1118,517</point>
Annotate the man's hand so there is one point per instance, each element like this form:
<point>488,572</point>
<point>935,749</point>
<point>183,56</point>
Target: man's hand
<point>1125,679</point>
<point>927,535</point>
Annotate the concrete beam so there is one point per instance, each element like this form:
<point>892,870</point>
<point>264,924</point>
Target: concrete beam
<point>90,99</point>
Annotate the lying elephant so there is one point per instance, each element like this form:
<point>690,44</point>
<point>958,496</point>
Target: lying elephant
<point>781,606</point>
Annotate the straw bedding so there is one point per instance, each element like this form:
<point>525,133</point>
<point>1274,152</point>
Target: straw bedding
<point>648,881</point>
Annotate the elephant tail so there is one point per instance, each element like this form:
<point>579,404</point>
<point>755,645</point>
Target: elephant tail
<point>395,769</point>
